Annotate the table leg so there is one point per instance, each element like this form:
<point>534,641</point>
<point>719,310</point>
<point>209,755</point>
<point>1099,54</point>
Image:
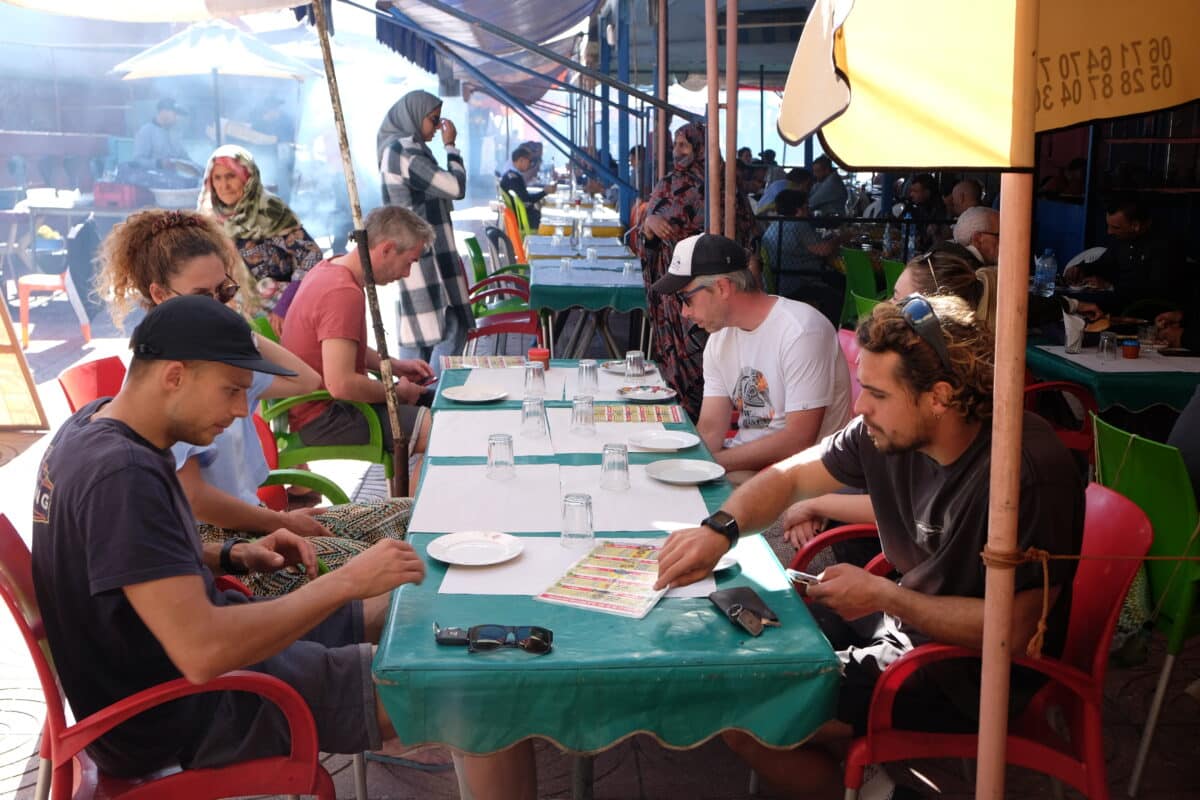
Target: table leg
<point>581,777</point>
<point>606,333</point>
<point>583,336</point>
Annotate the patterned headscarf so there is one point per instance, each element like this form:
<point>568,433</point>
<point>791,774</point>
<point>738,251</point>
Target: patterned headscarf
<point>403,120</point>
<point>258,214</point>
<point>679,196</point>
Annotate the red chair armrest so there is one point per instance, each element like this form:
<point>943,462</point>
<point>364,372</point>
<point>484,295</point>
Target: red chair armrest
<point>1081,393</point>
<point>832,536</point>
<point>498,294</point>
<point>227,582</point>
<point>301,728</point>
<point>508,281</point>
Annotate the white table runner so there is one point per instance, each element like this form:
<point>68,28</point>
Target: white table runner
<point>1148,361</point>
<point>461,497</point>
<point>465,433</point>
<point>608,383</point>
<point>512,380</point>
<point>565,441</point>
<point>646,505</point>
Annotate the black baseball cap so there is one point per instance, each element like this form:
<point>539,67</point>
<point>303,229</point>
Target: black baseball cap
<point>198,328</point>
<point>703,254</point>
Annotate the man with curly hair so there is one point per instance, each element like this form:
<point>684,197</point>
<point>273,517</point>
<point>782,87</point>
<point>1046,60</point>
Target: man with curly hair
<point>921,447</point>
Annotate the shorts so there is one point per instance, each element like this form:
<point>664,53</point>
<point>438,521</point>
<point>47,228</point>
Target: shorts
<point>343,423</point>
<point>330,666</point>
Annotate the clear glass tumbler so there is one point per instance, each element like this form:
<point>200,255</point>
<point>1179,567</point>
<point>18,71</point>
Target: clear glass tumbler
<point>564,265</point>
<point>535,379</point>
<point>533,418</point>
<point>500,465</point>
<point>577,521</point>
<point>587,381</point>
<point>635,367</point>
<point>583,415</point>
<point>592,255</point>
<point>614,468</point>
<point>1109,346</point>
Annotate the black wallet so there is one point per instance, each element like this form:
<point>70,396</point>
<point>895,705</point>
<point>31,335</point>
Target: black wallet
<point>743,606</point>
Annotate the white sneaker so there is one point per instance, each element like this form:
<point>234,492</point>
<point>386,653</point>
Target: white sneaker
<point>877,784</point>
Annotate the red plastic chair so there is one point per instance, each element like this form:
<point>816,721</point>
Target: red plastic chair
<point>43,282</point>
<point>878,565</point>
<point>849,342</point>
<point>1080,439</point>
<point>76,776</point>
<point>1114,526</point>
<point>90,380</point>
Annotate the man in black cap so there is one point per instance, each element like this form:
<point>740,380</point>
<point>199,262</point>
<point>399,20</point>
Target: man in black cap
<point>157,144</point>
<point>127,590</point>
<point>774,361</point>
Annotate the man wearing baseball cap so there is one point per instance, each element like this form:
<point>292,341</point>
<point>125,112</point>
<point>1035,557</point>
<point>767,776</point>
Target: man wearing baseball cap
<point>127,590</point>
<point>774,361</point>
<point>156,144</point>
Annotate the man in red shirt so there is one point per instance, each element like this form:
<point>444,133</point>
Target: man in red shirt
<point>327,327</point>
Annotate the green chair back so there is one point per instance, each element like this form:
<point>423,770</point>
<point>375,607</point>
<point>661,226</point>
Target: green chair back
<point>262,326</point>
<point>891,274</point>
<point>294,452</point>
<point>1154,477</point>
<point>478,264</point>
<point>522,213</point>
<point>863,305</point>
<point>770,279</point>
<point>860,274</point>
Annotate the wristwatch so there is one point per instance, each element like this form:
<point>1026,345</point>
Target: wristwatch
<point>227,565</point>
<point>723,523</point>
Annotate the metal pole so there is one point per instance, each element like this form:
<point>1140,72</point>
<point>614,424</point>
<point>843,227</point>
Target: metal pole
<point>729,185</point>
<point>605,66</point>
<point>713,133</point>
<point>399,443</point>
<point>625,196</point>
<point>662,124</point>
<point>217,104</point>
<point>762,111</point>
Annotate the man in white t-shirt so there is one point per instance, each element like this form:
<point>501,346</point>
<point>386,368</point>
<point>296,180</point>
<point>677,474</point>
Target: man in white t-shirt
<point>774,361</point>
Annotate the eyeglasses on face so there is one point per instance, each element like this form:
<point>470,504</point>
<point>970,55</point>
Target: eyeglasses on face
<point>919,315</point>
<point>530,638</point>
<point>686,297</point>
<point>222,294</point>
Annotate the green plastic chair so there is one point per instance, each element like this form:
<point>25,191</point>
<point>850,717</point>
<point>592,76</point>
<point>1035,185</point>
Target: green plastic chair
<point>863,305</point>
<point>518,207</point>
<point>770,279</point>
<point>1154,477</point>
<point>860,280</point>
<point>262,326</point>
<point>293,452</point>
<point>478,264</point>
<point>891,274</point>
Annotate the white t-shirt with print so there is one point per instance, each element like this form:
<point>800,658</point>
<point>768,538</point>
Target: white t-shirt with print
<point>791,362</point>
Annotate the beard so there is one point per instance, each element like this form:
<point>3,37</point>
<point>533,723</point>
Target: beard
<point>895,443</point>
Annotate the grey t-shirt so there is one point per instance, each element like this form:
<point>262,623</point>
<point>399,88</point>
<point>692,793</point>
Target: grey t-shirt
<point>933,519</point>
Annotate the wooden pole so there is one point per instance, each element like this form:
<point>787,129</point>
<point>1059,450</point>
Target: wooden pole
<point>399,487</point>
<point>729,184</point>
<point>712,135</point>
<point>1016,203</point>
<point>662,137</point>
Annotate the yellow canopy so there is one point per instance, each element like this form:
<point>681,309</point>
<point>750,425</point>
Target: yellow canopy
<point>932,81</point>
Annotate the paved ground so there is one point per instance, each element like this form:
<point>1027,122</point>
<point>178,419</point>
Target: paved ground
<point>638,768</point>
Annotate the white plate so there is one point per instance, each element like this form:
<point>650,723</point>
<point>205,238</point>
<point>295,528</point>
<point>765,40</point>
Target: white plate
<point>475,548</point>
<point>728,560</point>
<point>618,368</point>
<point>664,441</point>
<point>474,394</point>
<point>646,394</point>
<point>684,471</point>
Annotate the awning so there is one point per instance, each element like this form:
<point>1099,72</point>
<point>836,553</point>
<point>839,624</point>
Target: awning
<point>142,11</point>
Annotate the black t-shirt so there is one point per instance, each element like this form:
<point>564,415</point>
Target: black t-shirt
<point>933,519</point>
<point>109,512</point>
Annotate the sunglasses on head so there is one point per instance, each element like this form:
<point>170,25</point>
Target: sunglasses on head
<point>919,315</point>
<point>222,294</point>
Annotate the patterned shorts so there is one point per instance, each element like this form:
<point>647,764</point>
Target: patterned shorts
<point>355,527</point>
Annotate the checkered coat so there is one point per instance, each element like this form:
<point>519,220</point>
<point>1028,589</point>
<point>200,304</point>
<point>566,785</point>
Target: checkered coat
<point>413,179</point>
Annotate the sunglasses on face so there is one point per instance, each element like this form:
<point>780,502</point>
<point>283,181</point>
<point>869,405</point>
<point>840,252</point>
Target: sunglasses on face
<point>530,638</point>
<point>222,294</point>
<point>685,298</point>
<point>919,315</point>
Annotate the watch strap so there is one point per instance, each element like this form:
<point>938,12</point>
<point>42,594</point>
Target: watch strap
<point>227,565</point>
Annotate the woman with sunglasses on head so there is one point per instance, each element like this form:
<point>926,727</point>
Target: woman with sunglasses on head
<point>157,255</point>
<point>269,237</point>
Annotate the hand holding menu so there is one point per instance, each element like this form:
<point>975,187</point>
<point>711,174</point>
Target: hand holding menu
<point>615,578</point>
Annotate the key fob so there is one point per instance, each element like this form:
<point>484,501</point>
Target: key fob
<point>451,636</point>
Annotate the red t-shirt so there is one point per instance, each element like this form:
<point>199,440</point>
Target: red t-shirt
<point>328,305</point>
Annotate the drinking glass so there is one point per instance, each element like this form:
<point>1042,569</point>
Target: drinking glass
<point>635,367</point>
<point>577,521</point>
<point>564,266</point>
<point>1147,335</point>
<point>587,380</point>
<point>1109,347</point>
<point>535,379</point>
<point>558,232</point>
<point>556,239</point>
<point>587,231</point>
<point>500,457</point>
<point>592,255</point>
<point>627,268</point>
<point>614,468</point>
<point>583,415</point>
<point>533,418</point>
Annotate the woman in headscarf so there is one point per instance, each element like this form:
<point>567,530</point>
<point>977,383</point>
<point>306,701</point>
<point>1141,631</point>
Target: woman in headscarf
<point>433,312</point>
<point>273,244</point>
<point>675,211</point>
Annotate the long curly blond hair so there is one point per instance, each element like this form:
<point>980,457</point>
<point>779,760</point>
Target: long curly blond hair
<point>150,247</point>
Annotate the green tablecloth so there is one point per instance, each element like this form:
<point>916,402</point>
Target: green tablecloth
<point>1133,391</point>
<point>591,289</point>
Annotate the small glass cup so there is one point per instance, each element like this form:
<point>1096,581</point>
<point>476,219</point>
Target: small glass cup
<point>533,418</point>
<point>577,521</point>
<point>556,239</point>
<point>628,268</point>
<point>614,468</point>
<point>1147,335</point>
<point>500,465</point>
<point>535,379</point>
<point>558,232</point>
<point>587,231</point>
<point>592,255</point>
<point>1108,349</point>
<point>587,379</point>
<point>583,415</point>
<point>564,266</point>
<point>635,367</point>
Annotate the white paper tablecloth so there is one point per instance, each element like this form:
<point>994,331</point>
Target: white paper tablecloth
<point>535,240</point>
<point>565,248</point>
<point>646,505</point>
<point>565,441</point>
<point>608,383</point>
<point>512,380</point>
<point>460,497</point>
<point>465,433</point>
<point>542,561</point>
<point>1147,361</point>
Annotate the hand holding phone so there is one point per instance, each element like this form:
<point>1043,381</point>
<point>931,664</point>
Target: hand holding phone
<point>796,576</point>
<point>430,381</point>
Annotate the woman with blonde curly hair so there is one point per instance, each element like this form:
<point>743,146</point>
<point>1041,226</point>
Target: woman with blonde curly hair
<point>156,255</point>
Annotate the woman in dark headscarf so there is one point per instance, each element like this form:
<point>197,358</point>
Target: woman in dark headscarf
<point>433,312</point>
<point>675,211</point>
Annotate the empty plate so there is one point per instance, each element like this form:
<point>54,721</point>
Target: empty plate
<point>475,548</point>
<point>474,394</point>
<point>664,441</point>
<point>645,394</point>
<point>617,367</point>
<point>684,471</point>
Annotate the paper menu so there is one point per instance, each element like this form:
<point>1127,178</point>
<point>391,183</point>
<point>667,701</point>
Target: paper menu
<point>614,578</point>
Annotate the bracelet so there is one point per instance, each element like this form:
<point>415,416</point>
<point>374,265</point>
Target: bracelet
<point>227,565</point>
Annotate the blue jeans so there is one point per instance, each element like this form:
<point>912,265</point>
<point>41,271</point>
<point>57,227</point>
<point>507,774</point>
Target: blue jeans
<point>454,338</point>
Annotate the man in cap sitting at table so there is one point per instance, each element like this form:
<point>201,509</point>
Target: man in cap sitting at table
<point>127,591</point>
<point>774,361</point>
<point>921,448</point>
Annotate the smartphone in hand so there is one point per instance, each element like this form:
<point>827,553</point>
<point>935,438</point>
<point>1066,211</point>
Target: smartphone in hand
<point>796,576</point>
<point>429,381</point>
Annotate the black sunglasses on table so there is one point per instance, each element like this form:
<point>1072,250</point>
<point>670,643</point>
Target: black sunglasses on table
<point>919,315</point>
<point>482,638</point>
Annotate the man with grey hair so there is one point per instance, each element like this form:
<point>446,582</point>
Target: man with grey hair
<point>327,327</point>
<point>978,230</point>
<point>777,362</point>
